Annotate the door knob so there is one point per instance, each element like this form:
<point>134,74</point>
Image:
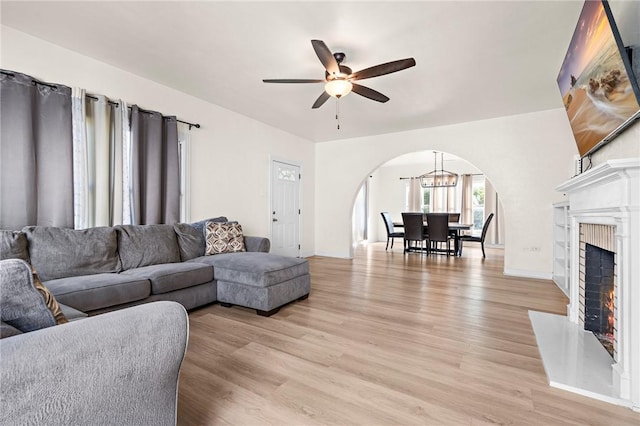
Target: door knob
<point>275,220</point>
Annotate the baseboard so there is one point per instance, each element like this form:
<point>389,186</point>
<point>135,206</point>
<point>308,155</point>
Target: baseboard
<point>306,254</point>
<point>528,274</point>
<point>330,254</point>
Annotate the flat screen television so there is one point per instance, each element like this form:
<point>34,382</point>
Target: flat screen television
<point>600,92</point>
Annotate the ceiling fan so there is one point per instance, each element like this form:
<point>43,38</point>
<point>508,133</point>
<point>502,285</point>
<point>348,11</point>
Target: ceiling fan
<point>339,79</point>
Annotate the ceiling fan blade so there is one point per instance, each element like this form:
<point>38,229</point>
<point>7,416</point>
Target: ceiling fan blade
<point>325,56</point>
<point>369,93</point>
<point>383,69</point>
<point>292,80</point>
<point>321,100</point>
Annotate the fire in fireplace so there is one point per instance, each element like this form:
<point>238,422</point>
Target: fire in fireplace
<point>599,295</point>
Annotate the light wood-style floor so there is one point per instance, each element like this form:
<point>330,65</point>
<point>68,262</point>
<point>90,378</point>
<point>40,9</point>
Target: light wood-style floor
<point>385,339</point>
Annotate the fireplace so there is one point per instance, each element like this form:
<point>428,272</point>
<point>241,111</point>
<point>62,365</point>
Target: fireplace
<point>604,289</point>
<point>597,295</point>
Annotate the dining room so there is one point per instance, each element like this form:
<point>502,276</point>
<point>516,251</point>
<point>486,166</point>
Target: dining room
<point>428,183</point>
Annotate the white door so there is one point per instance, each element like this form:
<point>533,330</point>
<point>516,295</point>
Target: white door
<point>285,209</point>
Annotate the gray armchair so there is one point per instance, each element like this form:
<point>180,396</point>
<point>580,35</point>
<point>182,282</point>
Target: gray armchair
<point>120,368</point>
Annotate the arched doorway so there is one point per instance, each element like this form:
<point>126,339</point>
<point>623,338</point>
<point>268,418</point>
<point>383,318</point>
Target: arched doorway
<point>389,188</point>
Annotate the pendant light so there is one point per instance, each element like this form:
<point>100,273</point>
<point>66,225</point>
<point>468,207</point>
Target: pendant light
<point>438,178</point>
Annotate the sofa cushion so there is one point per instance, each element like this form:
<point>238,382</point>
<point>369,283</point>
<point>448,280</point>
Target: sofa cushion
<point>255,268</point>
<point>91,292</point>
<point>22,305</point>
<point>142,245</point>
<point>201,224</point>
<point>224,238</point>
<point>13,245</point>
<point>61,252</point>
<point>173,276</point>
<point>190,241</point>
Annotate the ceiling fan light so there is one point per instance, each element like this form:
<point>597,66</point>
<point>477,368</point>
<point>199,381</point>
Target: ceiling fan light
<point>338,88</point>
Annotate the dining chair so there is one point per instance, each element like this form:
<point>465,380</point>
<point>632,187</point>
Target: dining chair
<point>479,239</point>
<point>391,233</point>
<point>413,230</point>
<point>454,217</point>
<point>438,228</point>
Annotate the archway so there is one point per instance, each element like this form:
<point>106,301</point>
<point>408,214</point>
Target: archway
<point>388,189</point>
<point>524,156</point>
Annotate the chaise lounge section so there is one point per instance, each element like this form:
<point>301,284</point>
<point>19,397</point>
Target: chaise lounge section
<point>262,281</point>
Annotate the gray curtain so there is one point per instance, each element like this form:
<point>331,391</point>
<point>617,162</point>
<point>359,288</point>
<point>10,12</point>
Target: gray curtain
<point>36,149</point>
<point>155,175</point>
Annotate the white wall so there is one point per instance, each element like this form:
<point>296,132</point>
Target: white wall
<point>524,156</point>
<point>230,152</point>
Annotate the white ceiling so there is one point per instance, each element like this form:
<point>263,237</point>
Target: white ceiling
<point>475,60</point>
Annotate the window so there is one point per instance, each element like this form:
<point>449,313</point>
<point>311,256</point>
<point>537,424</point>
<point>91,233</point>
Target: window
<point>426,200</point>
<point>478,203</point>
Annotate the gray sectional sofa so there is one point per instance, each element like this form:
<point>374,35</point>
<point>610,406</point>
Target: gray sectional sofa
<point>121,367</point>
<point>106,268</point>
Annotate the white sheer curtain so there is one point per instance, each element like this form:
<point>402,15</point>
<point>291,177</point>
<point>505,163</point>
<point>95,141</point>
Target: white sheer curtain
<point>100,128</point>
<point>466,210</point>
<point>443,199</point>
<point>127,215</point>
<point>495,234</point>
<point>415,196</point>
<point>80,172</point>
<point>98,121</point>
<point>184,141</point>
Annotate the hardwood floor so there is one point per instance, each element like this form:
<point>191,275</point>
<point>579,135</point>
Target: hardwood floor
<point>385,339</point>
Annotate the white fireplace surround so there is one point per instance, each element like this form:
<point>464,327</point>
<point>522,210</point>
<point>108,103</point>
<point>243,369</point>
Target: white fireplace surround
<point>608,194</point>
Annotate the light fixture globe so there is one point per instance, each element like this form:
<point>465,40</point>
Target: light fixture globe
<point>338,88</point>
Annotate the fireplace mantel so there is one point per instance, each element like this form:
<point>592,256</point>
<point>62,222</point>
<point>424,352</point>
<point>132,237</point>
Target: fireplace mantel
<point>608,194</point>
<point>615,182</point>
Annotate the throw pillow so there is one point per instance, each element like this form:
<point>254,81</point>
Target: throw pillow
<point>224,237</point>
<point>24,304</point>
<point>190,240</point>
<point>202,224</point>
<point>13,245</point>
<point>49,300</point>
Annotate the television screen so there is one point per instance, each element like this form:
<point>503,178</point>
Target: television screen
<point>599,90</point>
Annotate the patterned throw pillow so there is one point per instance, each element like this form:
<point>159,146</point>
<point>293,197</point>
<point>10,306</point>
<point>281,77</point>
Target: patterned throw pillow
<point>224,237</point>
<point>49,300</point>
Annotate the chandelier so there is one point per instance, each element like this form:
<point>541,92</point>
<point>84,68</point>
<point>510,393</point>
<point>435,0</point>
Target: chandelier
<point>438,178</point>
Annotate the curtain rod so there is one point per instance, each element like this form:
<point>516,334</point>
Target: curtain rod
<point>418,177</point>
<point>116,104</point>
<point>55,87</point>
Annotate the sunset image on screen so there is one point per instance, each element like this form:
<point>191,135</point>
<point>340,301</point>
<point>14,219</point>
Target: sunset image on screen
<point>597,93</point>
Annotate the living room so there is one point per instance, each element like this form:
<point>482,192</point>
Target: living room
<point>526,154</point>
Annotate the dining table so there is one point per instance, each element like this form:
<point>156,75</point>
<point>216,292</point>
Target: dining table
<point>454,229</point>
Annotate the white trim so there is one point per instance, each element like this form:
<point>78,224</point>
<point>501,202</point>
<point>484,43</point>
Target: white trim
<point>334,255</point>
<point>528,274</point>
